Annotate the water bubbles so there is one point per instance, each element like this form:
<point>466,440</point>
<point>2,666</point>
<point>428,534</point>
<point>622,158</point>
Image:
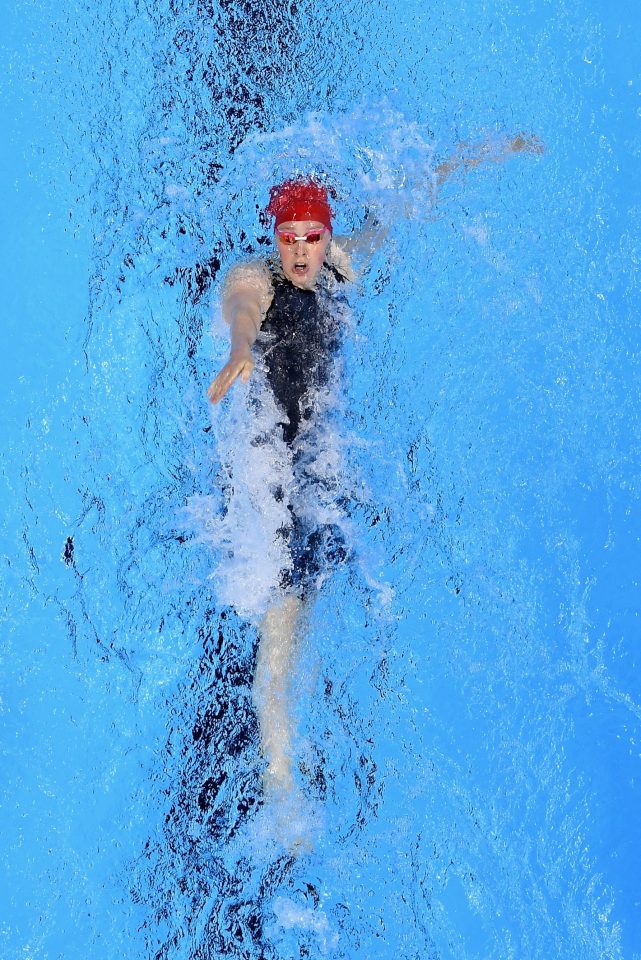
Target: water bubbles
<point>368,155</point>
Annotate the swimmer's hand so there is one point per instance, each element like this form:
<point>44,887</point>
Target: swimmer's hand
<point>523,143</point>
<point>240,364</point>
<point>468,157</point>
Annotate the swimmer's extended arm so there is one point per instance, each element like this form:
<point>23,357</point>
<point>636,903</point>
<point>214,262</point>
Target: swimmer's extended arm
<point>467,157</point>
<point>370,237</point>
<point>246,297</point>
<point>242,312</point>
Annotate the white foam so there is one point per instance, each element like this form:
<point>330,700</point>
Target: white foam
<point>372,155</point>
<point>290,915</point>
<point>245,519</point>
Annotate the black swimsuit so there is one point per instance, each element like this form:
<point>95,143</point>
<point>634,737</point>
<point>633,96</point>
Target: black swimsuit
<point>300,338</point>
<point>301,342</point>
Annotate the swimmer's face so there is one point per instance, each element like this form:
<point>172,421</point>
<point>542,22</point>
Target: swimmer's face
<point>302,261</point>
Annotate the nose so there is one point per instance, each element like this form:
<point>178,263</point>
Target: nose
<point>300,247</point>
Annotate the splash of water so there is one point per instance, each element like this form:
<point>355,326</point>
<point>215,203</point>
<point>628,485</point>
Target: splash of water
<point>368,157</point>
<point>371,156</point>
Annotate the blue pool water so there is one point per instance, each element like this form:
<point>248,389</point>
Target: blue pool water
<point>469,710</point>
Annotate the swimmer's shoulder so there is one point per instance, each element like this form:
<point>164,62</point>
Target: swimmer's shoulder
<point>252,278</point>
<point>253,271</point>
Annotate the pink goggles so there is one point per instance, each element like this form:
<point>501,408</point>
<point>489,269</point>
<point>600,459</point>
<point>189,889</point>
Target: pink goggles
<point>312,236</point>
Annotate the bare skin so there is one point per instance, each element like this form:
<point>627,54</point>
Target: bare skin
<point>243,315</point>
<point>302,261</point>
<point>272,693</point>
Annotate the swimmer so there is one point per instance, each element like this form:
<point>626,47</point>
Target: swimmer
<point>289,296</point>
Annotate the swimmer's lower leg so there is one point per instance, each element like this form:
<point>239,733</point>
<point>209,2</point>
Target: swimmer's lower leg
<point>271,690</point>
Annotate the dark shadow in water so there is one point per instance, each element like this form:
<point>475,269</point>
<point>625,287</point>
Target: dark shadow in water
<point>201,880</point>
<point>242,86</point>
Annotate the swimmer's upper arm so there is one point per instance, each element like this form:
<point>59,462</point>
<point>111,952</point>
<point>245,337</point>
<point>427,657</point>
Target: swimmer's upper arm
<point>247,287</point>
<point>365,241</point>
<point>340,258</point>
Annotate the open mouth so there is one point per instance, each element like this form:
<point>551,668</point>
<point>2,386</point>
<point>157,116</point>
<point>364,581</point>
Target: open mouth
<point>300,268</point>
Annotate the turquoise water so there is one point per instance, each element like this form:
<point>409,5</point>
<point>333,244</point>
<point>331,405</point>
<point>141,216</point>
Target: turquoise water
<point>469,736</point>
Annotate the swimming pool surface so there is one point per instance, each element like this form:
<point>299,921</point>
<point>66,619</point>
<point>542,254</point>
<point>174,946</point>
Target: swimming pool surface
<point>469,710</point>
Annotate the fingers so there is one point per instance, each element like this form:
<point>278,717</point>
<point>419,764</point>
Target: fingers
<point>527,144</point>
<point>221,384</point>
<point>536,145</point>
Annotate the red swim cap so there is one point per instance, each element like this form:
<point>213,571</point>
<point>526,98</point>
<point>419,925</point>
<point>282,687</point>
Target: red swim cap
<point>300,199</point>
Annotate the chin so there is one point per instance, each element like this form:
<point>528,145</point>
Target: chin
<point>304,282</point>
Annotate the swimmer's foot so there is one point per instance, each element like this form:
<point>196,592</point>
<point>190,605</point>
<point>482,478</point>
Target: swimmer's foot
<point>278,779</point>
<point>287,817</point>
